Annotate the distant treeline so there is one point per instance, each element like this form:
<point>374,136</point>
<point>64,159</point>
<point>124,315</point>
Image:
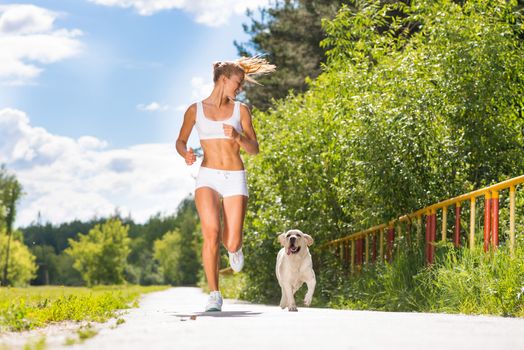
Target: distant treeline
<point>49,244</point>
<point>163,250</point>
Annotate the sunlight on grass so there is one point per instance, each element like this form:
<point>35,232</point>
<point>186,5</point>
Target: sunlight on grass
<point>32,307</point>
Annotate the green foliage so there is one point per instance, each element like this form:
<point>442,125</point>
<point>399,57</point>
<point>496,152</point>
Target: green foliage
<point>425,109</point>
<point>48,242</point>
<point>22,267</point>
<point>57,236</point>
<point>10,193</point>
<point>177,258</point>
<point>100,256</point>
<point>470,281</point>
<point>288,33</point>
<point>29,308</point>
<point>54,268</point>
<point>460,281</point>
<point>144,268</point>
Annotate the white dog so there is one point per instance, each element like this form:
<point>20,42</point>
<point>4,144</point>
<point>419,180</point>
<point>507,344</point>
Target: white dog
<point>294,267</point>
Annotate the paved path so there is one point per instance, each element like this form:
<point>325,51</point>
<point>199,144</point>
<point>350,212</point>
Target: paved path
<point>164,321</point>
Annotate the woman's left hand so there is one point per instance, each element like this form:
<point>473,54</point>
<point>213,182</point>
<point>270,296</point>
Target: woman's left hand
<point>230,132</point>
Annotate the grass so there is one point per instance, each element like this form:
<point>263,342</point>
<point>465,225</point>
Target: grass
<point>39,344</point>
<point>32,307</point>
<point>83,333</point>
<point>467,281</point>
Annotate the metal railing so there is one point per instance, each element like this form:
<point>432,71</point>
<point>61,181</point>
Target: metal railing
<point>354,248</point>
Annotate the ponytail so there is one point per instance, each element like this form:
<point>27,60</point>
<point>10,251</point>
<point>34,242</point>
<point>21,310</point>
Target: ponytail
<point>247,67</point>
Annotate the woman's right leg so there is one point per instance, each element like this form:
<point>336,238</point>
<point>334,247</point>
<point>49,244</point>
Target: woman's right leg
<point>208,206</point>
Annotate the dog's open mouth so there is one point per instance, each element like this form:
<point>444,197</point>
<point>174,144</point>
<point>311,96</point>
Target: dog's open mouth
<point>293,250</point>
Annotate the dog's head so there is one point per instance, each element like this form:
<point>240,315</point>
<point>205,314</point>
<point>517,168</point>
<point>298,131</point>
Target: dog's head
<point>294,241</point>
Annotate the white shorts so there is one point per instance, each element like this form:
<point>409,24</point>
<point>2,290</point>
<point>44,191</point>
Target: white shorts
<point>226,182</point>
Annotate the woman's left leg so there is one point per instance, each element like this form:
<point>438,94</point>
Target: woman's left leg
<point>234,210</point>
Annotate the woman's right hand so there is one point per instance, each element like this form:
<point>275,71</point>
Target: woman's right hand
<point>190,157</point>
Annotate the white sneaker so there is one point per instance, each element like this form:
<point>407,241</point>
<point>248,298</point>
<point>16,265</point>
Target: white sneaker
<point>214,302</point>
<point>236,260</point>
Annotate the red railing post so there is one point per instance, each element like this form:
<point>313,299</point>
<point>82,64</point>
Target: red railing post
<point>361,257</point>
<point>362,250</point>
<point>357,252</point>
<point>495,219</point>
<point>391,239</point>
<point>408,233</point>
<point>357,258</point>
<point>456,236</point>
<point>487,221</point>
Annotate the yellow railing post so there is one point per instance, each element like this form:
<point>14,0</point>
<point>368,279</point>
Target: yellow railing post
<point>472,223</point>
<point>444,223</point>
<point>512,220</point>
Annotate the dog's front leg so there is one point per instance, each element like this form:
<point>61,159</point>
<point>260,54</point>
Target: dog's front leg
<point>311,283</point>
<point>291,305</point>
<point>283,300</point>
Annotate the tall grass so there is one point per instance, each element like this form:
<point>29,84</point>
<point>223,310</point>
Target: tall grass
<point>461,280</point>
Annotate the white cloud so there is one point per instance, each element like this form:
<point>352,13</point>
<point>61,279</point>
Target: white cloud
<point>28,37</point>
<point>201,88</point>
<point>66,179</point>
<point>211,13</point>
<point>153,107</point>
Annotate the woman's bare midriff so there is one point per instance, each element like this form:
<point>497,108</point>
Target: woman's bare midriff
<point>223,154</point>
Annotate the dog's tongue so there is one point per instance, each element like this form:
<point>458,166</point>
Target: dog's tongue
<point>288,251</point>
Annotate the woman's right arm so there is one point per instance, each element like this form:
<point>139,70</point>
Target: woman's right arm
<point>185,131</point>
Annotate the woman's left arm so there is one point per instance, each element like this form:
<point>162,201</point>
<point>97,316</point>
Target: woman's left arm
<point>247,140</point>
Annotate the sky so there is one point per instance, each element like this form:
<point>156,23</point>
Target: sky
<point>92,96</point>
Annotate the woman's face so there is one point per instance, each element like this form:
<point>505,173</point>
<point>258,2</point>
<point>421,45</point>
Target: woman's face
<point>232,86</point>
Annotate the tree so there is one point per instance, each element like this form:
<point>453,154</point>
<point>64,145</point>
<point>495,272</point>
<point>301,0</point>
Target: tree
<point>45,260</point>
<point>101,255</point>
<point>10,192</point>
<point>22,267</point>
<point>288,34</point>
<point>176,251</point>
<point>167,251</point>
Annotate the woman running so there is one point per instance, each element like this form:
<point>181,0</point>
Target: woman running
<point>224,126</point>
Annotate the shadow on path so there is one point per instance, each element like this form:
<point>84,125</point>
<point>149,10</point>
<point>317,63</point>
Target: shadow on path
<point>218,314</point>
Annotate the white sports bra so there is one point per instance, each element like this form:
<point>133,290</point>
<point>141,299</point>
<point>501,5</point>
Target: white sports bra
<point>212,129</point>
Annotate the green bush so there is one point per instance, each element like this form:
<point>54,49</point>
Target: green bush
<point>397,121</point>
<point>101,255</point>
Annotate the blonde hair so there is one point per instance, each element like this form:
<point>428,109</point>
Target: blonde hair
<point>246,67</point>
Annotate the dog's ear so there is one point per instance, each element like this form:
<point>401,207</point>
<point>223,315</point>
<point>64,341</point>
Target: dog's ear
<point>309,239</point>
<point>282,238</point>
